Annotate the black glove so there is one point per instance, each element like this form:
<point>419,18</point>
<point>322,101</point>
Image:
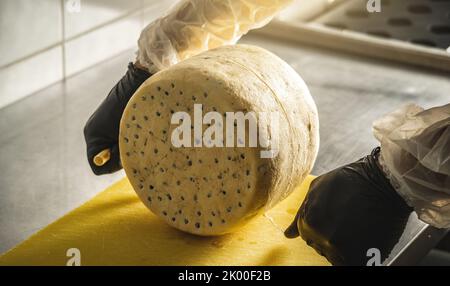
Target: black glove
<point>102,129</point>
<point>350,210</point>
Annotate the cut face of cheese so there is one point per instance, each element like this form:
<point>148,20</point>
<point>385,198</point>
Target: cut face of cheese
<point>213,190</point>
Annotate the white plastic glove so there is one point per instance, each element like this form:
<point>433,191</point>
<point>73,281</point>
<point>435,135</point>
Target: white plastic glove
<point>194,26</point>
<point>415,155</point>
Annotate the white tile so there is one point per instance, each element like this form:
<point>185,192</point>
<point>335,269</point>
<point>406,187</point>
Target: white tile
<point>93,13</point>
<point>109,33</point>
<point>107,41</point>
<point>30,75</point>
<point>101,44</point>
<point>27,27</point>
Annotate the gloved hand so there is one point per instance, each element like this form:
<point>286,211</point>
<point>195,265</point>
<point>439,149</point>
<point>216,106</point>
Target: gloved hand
<point>102,129</point>
<point>350,210</point>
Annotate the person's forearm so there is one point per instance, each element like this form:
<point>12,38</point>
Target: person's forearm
<point>414,157</point>
<point>138,65</point>
<point>204,24</point>
<point>194,26</point>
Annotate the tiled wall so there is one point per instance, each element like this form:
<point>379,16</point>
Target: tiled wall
<point>43,41</point>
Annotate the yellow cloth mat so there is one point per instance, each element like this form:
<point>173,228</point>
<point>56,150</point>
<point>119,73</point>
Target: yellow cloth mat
<point>115,228</point>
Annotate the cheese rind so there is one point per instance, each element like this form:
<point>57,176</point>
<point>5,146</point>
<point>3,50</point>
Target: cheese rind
<point>211,191</point>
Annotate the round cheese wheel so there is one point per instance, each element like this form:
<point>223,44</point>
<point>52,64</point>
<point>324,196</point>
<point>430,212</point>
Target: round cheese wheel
<point>210,184</point>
